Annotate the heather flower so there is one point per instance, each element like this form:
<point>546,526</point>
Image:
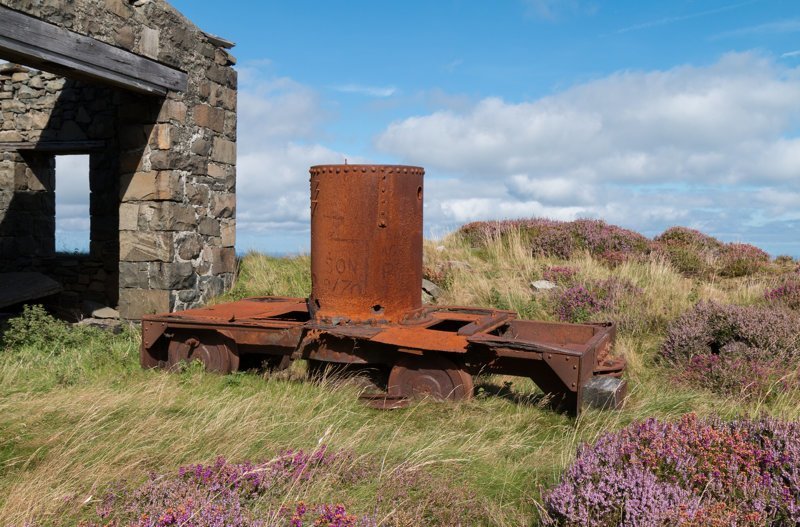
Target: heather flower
<point>787,295</point>
<point>562,239</point>
<point>742,259</point>
<point>580,302</point>
<point>688,473</point>
<point>734,349</point>
<point>232,494</point>
<point>560,274</point>
<point>577,304</point>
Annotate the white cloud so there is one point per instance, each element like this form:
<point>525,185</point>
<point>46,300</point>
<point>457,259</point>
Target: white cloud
<point>643,149</point>
<point>370,91</point>
<point>680,18</point>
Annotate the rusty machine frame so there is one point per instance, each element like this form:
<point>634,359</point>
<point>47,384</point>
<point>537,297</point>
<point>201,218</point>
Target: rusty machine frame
<point>366,309</point>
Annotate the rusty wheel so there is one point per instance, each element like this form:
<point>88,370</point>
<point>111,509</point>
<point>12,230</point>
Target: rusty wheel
<point>435,377</point>
<point>215,352</point>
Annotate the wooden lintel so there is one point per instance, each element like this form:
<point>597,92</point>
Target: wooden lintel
<point>33,42</point>
<point>56,147</point>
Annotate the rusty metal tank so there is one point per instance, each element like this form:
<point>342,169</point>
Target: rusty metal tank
<point>366,242</point>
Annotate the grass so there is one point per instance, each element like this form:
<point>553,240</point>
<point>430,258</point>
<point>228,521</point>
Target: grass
<point>77,413</point>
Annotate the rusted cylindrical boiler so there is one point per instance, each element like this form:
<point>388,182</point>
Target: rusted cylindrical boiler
<point>366,242</point>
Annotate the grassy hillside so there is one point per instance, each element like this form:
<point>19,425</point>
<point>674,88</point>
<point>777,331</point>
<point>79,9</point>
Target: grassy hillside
<point>78,417</point>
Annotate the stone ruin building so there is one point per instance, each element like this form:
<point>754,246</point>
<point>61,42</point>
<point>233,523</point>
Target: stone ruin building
<point>152,100</point>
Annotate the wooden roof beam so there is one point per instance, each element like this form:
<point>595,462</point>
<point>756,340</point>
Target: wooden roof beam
<point>33,42</point>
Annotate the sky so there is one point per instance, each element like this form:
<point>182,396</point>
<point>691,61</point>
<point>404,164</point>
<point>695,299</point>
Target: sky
<point>642,114</point>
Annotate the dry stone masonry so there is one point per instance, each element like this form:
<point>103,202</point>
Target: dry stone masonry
<point>162,169</point>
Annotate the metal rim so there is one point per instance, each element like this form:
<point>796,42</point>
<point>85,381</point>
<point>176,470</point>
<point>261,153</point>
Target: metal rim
<point>212,350</point>
<point>435,376</point>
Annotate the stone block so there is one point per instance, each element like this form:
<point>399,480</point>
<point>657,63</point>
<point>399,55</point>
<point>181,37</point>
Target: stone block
<point>223,260</point>
<point>178,275</point>
<point>124,37</point>
<point>188,246</point>
<point>223,205</point>
<point>6,177</point>
<point>133,303</point>
<point>209,117</point>
<point>172,110</point>
<point>161,136</point>
<point>152,186</point>
<point>132,161</point>
<point>10,136</point>
<point>119,7</point>
<point>137,246</point>
<point>133,274</point>
<point>605,392</point>
<point>227,230</point>
<point>224,151</point>
<point>209,227</point>
<point>211,286</point>
<point>197,194</point>
<point>129,216</point>
<point>149,42</point>
<point>166,216</point>
<point>201,146</point>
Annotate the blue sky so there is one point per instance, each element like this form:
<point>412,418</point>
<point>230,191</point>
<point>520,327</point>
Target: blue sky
<point>644,114</point>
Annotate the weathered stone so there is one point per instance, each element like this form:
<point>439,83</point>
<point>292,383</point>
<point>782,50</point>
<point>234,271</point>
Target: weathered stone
<point>188,296</point>
<point>134,303</point>
<point>149,42</point>
<point>151,186</point>
<point>543,285</point>
<point>227,233</point>
<point>161,137</point>
<point>119,8</point>
<point>223,205</point>
<point>197,194</point>
<point>189,246</point>
<point>145,246</point>
<point>133,274</point>
<point>209,227</point>
<point>223,260</point>
<point>128,216</point>
<point>224,151</point>
<point>166,216</point>
<point>172,111</point>
<point>25,92</point>
<point>124,37</point>
<point>209,117</point>
<point>165,159</point>
<point>20,77</point>
<point>604,392</point>
<point>178,275</point>
<point>201,146</point>
<point>211,286</point>
<point>10,136</point>
<point>431,289</point>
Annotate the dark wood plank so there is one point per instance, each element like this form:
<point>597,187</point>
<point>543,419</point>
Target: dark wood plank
<point>63,147</point>
<point>31,41</point>
<point>25,286</point>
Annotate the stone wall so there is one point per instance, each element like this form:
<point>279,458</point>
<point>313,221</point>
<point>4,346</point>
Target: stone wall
<point>163,181</point>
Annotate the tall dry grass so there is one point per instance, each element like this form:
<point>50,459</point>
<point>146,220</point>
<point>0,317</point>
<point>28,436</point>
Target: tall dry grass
<point>78,416</point>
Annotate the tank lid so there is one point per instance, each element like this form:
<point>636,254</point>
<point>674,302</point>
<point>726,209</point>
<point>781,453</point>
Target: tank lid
<point>394,169</point>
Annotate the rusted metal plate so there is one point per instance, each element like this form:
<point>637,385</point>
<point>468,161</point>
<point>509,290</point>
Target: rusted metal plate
<point>248,309</point>
<point>366,241</point>
<point>423,339</point>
